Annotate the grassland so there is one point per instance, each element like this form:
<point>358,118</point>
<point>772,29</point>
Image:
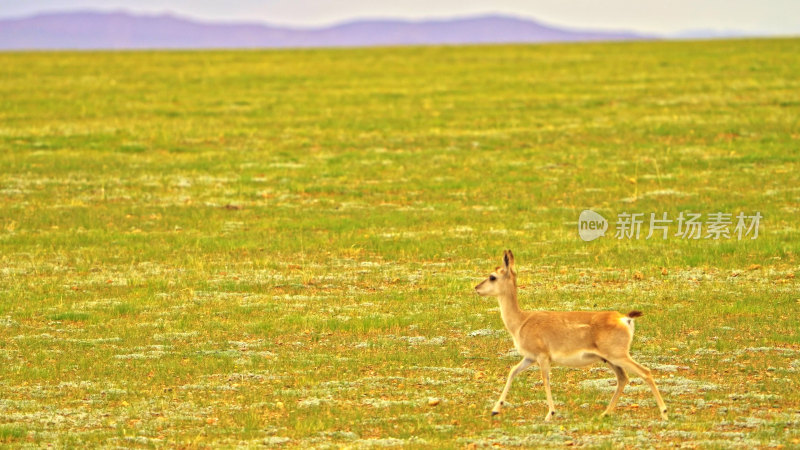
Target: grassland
<point>279,247</point>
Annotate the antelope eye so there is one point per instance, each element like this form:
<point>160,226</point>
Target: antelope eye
<point>492,278</point>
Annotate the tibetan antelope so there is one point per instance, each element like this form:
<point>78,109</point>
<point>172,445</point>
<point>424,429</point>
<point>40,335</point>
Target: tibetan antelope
<point>573,339</point>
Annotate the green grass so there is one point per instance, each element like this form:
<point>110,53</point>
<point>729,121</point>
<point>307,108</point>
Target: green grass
<point>9,434</point>
<point>279,247</point>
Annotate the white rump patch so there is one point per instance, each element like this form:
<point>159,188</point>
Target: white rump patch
<point>628,322</point>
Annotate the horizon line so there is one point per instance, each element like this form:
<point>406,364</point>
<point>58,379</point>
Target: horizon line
<point>723,33</point>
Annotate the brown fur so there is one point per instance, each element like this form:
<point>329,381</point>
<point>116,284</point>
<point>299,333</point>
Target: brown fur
<point>575,338</point>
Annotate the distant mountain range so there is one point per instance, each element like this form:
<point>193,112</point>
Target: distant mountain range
<point>121,30</point>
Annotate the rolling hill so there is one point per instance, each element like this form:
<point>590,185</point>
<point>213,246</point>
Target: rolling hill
<point>122,30</point>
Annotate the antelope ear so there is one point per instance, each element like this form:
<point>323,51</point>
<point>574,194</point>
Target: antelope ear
<point>508,260</point>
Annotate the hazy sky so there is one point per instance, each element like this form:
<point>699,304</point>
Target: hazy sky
<point>770,17</point>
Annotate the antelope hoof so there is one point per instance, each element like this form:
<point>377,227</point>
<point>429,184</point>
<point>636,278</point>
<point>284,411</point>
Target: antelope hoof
<point>496,409</point>
<point>664,414</point>
<point>550,416</point>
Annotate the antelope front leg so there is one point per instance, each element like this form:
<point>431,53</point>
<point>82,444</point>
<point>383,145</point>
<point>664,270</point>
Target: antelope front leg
<point>544,365</point>
<point>524,364</point>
